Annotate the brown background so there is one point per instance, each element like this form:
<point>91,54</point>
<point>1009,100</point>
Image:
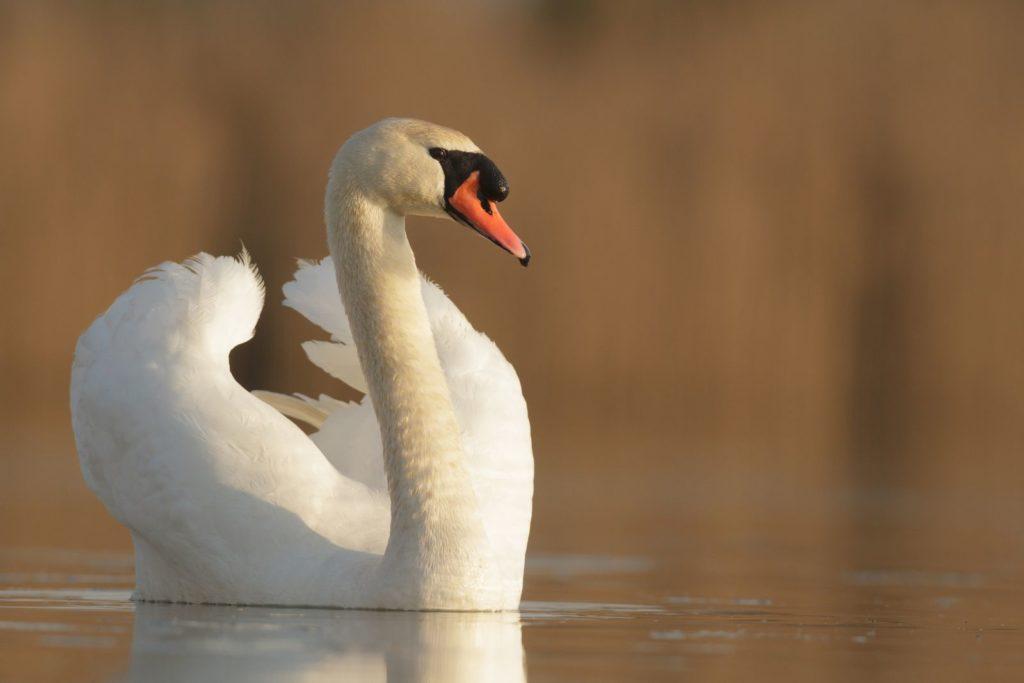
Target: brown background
<point>778,246</point>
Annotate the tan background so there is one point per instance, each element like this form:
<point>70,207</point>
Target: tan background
<point>778,246</point>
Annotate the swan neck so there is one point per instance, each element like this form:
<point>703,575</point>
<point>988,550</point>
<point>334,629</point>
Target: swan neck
<point>431,495</point>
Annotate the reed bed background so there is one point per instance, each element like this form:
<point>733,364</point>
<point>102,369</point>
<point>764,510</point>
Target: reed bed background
<point>778,246</point>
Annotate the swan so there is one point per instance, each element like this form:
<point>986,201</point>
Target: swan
<point>416,499</point>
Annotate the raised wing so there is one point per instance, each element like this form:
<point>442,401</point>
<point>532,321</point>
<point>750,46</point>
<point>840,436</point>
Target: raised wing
<point>226,500</point>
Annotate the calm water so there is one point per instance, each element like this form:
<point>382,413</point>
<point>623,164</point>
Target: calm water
<point>680,573</point>
<point>66,615</point>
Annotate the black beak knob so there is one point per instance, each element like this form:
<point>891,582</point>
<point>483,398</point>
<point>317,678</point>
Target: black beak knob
<point>493,185</point>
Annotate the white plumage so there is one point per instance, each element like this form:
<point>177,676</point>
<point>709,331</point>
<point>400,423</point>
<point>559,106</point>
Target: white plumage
<point>228,501</point>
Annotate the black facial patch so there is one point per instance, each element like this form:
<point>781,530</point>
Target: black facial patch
<point>458,166</point>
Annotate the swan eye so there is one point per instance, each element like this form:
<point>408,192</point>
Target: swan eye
<point>438,153</point>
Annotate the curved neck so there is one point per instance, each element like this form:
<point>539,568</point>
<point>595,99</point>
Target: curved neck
<point>433,506</point>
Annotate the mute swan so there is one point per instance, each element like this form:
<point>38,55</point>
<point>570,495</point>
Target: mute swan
<point>418,499</point>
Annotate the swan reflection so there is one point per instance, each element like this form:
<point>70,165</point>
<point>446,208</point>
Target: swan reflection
<point>194,642</point>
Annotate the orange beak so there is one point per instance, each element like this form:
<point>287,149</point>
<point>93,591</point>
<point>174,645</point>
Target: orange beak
<point>482,215</point>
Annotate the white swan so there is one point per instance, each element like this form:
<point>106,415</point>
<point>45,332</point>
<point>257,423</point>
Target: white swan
<point>418,500</point>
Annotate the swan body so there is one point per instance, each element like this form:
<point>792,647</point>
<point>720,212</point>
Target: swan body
<point>417,497</point>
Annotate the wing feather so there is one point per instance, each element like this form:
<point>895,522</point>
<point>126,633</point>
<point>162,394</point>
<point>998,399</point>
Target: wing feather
<point>314,294</point>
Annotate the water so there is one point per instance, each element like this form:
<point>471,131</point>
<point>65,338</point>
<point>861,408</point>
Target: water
<point>683,574</point>
<point>67,615</point>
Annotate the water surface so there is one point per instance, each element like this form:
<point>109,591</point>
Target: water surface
<point>67,615</point>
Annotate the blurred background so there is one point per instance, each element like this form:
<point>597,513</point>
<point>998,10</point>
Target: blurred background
<point>776,295</point>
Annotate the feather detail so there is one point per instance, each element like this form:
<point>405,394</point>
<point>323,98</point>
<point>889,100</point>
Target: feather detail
<point>314,294</point>
<point>297,407</point>
<point>341,361</point>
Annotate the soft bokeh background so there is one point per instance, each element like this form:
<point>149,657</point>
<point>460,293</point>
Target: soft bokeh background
<point>778,247</point>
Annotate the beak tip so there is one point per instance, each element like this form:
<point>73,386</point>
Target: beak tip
<point>525,260</point>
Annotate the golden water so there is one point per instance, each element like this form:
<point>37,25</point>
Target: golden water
<point>867,589</point>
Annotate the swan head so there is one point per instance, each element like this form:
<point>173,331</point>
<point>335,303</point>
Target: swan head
<point>416,168</point>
